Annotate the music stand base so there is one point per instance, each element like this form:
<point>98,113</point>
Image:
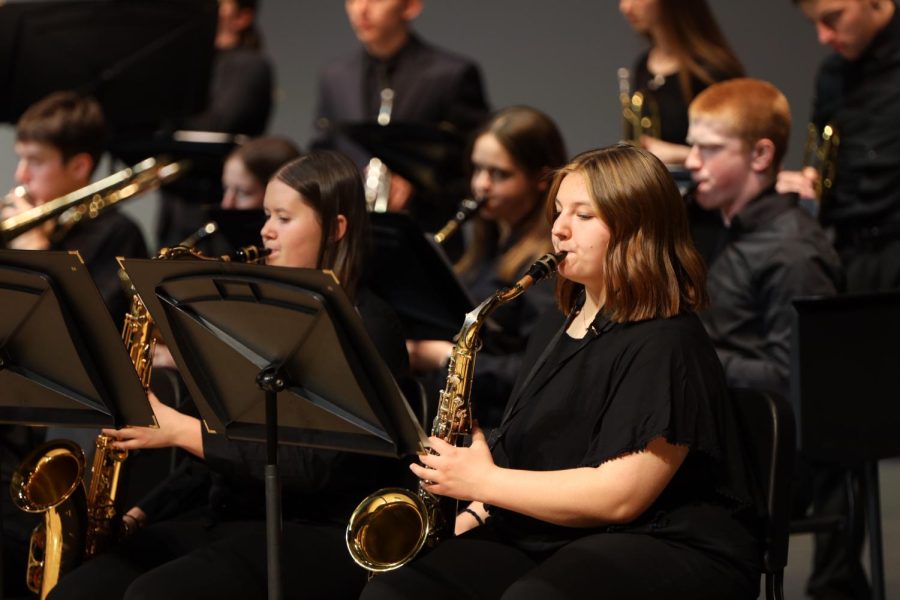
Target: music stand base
<point>271,382</point>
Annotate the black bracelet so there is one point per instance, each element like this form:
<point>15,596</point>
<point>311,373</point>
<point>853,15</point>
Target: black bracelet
<point>474,514</point>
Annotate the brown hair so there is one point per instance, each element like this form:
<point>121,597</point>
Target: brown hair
<point>652,268</point>
<point>750,109</point>
<point>533,141</point>
<point>698,44</point>
<point>68,121</point>
<point>263,156</point>
<point>331,184</point>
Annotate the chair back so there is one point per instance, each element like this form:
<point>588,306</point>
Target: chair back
<point>766,422</point>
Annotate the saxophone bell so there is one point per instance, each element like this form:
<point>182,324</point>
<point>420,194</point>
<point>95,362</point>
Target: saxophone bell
<point>390,527</point>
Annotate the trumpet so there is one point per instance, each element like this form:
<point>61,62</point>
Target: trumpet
<point>640,113</point>
<point>465,211</point>
<point>88,202</point>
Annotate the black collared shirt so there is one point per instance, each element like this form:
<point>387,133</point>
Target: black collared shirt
<point>861,99</point>
<point>773,252</point>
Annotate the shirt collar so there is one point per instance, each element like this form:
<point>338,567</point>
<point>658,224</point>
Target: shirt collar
<point>762,210</point>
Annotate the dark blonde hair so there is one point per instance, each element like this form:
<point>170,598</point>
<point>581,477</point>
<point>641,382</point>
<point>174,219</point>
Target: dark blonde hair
<point>331,184</point>
<point>697,43</point>
<point>535,145</point>
<point>651,268</point>
<point>68,121</point>
<point>750,109</point>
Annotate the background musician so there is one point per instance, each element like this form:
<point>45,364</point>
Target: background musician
<point>59,141</point>
<point>858,92</point>
<point>687,53</point>
<point>773,253</point>
<point>240,102</point>
<point>616,464</point>
<point>431,86</point>
<point>512,158</point>
<point>316,219</point>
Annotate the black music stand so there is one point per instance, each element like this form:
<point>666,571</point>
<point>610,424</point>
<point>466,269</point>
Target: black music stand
<point>62,362</point>
<point>845,387</point>
<point>412,274</point>
<point>133,56</point>
<point>280,355</point>
<point>429,156</point>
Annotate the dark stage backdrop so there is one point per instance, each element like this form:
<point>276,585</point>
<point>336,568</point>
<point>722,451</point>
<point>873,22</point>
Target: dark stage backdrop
<point>559,56</point>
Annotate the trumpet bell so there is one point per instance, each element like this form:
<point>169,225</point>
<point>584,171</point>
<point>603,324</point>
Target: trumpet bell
<point>387,529</point>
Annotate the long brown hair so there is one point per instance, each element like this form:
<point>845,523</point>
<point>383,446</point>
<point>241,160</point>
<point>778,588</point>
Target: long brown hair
<point>534,143</point>
<point>331,184</point>
<point>697,43</point>
<point>651,268</point>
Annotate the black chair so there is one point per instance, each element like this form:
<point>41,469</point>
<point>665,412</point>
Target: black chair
<point>769,437</point>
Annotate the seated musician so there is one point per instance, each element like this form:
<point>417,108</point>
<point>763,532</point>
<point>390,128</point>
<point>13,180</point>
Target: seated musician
<point>774,252</point>
<point>316,219</point>
<point>616,471</point>
<point>512,158</point>
<point>59,141</point>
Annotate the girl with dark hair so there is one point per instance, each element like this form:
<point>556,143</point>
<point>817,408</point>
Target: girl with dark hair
<point>513,155</point>
<point>615,471</point>
<point>687,53</point>
<point>201,533</point>
<point>249,168</point>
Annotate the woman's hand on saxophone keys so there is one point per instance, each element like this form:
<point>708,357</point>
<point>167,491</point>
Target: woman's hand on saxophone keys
<point>175,429</point>
<point>454,471</point>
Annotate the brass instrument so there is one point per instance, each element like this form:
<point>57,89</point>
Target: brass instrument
<point>468,208</point>
<point>50,480</point>
<point>76,525</point>
<point>89,201</point>
<point>391,526</point>
<point>640,113</point>
<point>820,153</point>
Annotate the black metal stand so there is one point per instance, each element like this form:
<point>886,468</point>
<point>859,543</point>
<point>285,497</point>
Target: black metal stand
<point>873,523</point>
<point>271,382</point>
<point>248,336</point>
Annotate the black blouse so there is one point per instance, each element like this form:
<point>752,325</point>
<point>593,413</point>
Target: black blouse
<point>623,385</point>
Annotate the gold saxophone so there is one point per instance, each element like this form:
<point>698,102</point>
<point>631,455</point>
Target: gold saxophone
<point>640,112</point>
<point>50,480</point>
<point>76,525</point>
<point>391,526</point>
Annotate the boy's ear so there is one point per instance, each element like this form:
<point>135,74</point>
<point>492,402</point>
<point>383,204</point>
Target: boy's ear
<point>81,166</point>
<point>762,155</point>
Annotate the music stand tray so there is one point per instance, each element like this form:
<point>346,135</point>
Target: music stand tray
<point>225,323</point>
<point>411,273</point>
<point>62,362</point>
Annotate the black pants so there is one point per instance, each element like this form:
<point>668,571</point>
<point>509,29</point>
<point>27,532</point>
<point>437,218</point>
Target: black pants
<point>613,566</point>
<point>188,559</point>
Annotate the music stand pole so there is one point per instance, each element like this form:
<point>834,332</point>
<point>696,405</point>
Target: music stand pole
<point>271,382</point>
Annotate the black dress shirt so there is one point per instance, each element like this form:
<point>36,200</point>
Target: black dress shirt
<point>773,252</point>
<point>861,99</point>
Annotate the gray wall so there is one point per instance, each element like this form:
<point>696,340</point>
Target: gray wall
<point>558,56</point>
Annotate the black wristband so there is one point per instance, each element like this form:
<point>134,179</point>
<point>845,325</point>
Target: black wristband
<point>474,514</point>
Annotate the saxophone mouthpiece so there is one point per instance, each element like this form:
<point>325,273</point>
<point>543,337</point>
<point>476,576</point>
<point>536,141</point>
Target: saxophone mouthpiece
<point>546,265</point>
